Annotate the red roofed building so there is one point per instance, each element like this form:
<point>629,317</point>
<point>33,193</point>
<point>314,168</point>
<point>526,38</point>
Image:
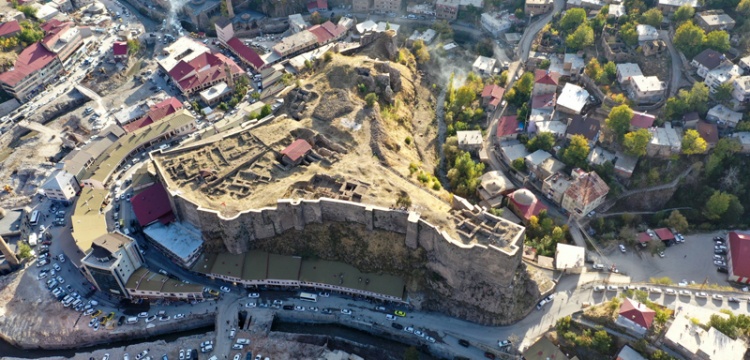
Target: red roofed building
<point>152,205</point>
<point>545,82</point>
<point>586,192</point>
<point>9,29</point>
<point>63,39</point>
<point>34,67</point>
<point>641,121</point>
<point>492,96</point>
<point>202,72</point>
<point>317,5</point>
<point>738,257</point>
<point>664,234</point>
<point>544,101</point>
<point>327,32</point>
<point>120,50</point>
<point>524,204</point>
<point>635,316</point>
<point>507,127</point>
<point>155,113</point>
<point>644,238</point>
<point>248,56</point>
<point>296,152</point>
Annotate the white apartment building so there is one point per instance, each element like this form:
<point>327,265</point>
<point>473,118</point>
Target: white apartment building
<point>741,88</point>
<point>646,88</point>
<point>61,186</point>
<point>495,24</point>
<point>720,75</point>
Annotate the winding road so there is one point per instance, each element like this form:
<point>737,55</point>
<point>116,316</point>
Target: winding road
<point>676,63</point>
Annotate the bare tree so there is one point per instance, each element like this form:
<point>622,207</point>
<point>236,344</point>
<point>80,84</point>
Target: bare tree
<point>730,180</point>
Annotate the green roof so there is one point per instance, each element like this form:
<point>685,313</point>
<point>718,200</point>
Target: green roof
<point>146,280</point>
<point>256,264</point>
<point>282,267</point>
<point>341,274</point>
<point>88,223</point>
<point>103,166</point>
<point>228,265</point>
<point>204,264</point>
<point>135,277</point>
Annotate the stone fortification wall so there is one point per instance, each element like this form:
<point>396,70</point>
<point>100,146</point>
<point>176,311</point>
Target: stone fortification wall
<point>467,279</point>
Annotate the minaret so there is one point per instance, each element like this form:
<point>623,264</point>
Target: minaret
<point>230,9</point>
<point>10,256</point>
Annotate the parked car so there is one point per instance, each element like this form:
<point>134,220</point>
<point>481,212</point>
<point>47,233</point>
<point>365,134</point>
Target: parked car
<point>464,343</point>
<point>503,343</point>
<point>599,288</point>
<point>598,266</point>
<point>390,317</point>
<point>622,248</point>
<point>346,311</point>
<point>611,288</point>
<point>722,269</point>
<point>397,326</point>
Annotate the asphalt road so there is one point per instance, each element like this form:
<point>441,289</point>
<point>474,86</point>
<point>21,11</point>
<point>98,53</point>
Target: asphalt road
<point>676,78</point>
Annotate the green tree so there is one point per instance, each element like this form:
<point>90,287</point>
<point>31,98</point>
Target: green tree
<point>689,38</point>
<point>724,92</point>
<point>134,46</point>
<point>693,143</point>
<point>734,214</point>
<point>610,73</point>
<point>725,148</point>
<point>485,47</point>
<point>24,250</point>
<point>287,79</point>
<point>519,164</point>
<point>542,141</point>
<point>718,40</point>
<point>618,121</point>
<point>316,18</point>
<point>522,113</point>
<point>684,13</point>
<point>744,8</point>
<point>652,17</point>
<point>27,10</point>
<point>635,142</point>
<point>601,341</point>
<point>695,99</point>
<point>581,38</point>
<point>594,69</point>
<point>451,150</point>
<point>265,111</point>
<point>30,33</point>
<point>255,95</point>
<point>545,64</point>
<point>411,353</point>
<point>660,355</point>
<point>629,33</point>
<point>677,221</point>
<point>371,99</point>
<point>328,56</point>
<point>717,205</point>
<point>420,52</point>
<point>464,176</point>
<point>577,151</point>
<point>443,29</point>
<point>572,19</point>
<point>521,90</point>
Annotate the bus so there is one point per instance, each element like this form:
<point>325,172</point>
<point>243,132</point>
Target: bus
<point>34,218</point>
<point>308,297</point>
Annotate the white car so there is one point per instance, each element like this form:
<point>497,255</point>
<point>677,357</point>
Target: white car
<point>409,329</point>
<point>251,304</point>
<point>225,289</point>
<point>237,346</point>
<point>656,290</point>
<point>346,311</point>
<point>685,293</point>
<point>669,291</point>
<point>150,318</point>
<point>179,316</point>
<point>611,288</point>
<point>390,317</point>
<point>599,288</point>
<point>61,257</point>
<point>253,295</point>
<point>701,294</point>
<point>141,315</point>
<point>419,333</point>
<point>236,356</point>
<point>182,354</point>
<point>299,308</point>
<point>717,297</point>
<point>598,266</point>
<point>622,248</point>
<point>56,267</point>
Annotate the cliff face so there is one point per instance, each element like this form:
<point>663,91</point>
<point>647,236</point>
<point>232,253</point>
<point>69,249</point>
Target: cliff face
<point>471,281</point>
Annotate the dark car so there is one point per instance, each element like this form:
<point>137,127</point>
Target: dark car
<point>464,343</point>
<point>249,355</point>
<point>288,307</point>
<point>121,321</point>
<point>195,354</point>
<point>489,355</point>
<point>722,269</point>
<point>397,326</point>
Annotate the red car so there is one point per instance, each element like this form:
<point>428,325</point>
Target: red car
<point>489,355</point>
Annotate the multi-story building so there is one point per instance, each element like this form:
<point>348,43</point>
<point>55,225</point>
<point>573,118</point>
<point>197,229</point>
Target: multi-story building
<point>721,74</point>
<point>495,24</point>
<point>545,82</point>
<point>65,40</point>
<point>361,5</point>
<point>536,7</point>
<point>61,186</point>
<point>299,42</point>
<point>386,6</point>
<point>646,89</point>
<point>225,29</point>
<point>483,66</point>
<point>741,89</point>
<point>447,9</point>
<point>113,258</point>
<point>706,61</point>
<point>723,116</point>
<point>586,192</point>
<point>203,72</point>
<point>714,20</point>
<point>34,68</point>
<point>144,284</point>
<point>665,142</point>
<point>668,7</point>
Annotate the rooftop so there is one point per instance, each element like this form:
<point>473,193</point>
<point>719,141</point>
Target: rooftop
<point>30,60</point>
<point>708,132</point>
<point>526,203</point>
<point>648,83</point>
<point>152,204</point>
<point>599,156</point>
<point>179,237</point>
<point>664,234</point>
<point>492,90</point>
<point>87,220</point>
<point>9,28</point>
<point>144,280</point>
<point>711,344</point>
<point>341,274</point>
<point>10,224</point>
<point>215,92</point>
<point>739,245</point>
<point>627,70</point>
<point>586,126</point>
<point>725,114</point>
<point>642,120</point>
<point>646,32</point>
<point>546,77</point>
<point>245,52</point>
<point>495,182</point>
<point>573,97</point>
<point>507,125</point>
<point>537,157</point>
<point>514,151</point>
<point>484,64</point>
<point>469,138</point>
<point>297,149</point>
<point>294,41</point>
<point>713,19</point>
<point>120,48</point>
<point>665,136</point>
<point>183,49</point>
<point>678,3</point>
<point>709,58</point>
<point>543,101</point>
<point>637,312</point>
<point>586,188</point>
<point>155,113</point>
<point>569,256</point>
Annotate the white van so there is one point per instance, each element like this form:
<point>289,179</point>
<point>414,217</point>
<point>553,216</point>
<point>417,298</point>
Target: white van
<point>132,320</point>
<point>243,341</point>
<point>75,303</point>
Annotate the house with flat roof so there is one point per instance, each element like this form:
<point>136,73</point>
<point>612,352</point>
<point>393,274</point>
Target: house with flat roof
<point>743,138</point>
<point>714,20</point>
<point>646,33</point>
<point>535,159</point>
<point>570,258</point>
<point>692,341</point>
<point>483,66</point>
<point>626,71</point>
<point>495,23</point>
<point>617,10</point>
<point>470,141</point>
<point>145,284</point>
<point>297,23</point>
<point>537,7</point>
<point>646,89</point>
<point>513,151</point>
<point>628,353</point>
<point>586,192</point>
<point>625,164</point>
<point>179,241</point>
<point>598,156</point>
<point>544,349</point>
<point>721,74</point>
<point>741,89</point>
<point>665,142</point>
<point>548,167</point>
<point>555,186</point>
<point>723,116</point>
<point>668,7</point>
<point>744,63</point>
<point>447,9</point>
<point>572,99</point>
<point>61,186</point>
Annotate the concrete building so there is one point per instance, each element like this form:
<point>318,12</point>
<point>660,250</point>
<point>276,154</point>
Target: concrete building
<point>625,165</point>
<point>535,159</point>
<point>548,167</point>
<point>617,11</point>
<point>646,33</point>
<point>483,66</point>
<point>599,156</point>
<point>628,353</point>
<point>635,316</point>
<point>144,284</point>
<point>204,71</point>
<point>120,51</point>
<point>225,29</point>
<point>537,7</point>
<point>706,61</point>
<point>387,6</point>
<point>665,142</point>
<point>743,138</point>
<point>426,36</point>
<point>626,71</point>
<point>65,40</point>
<point>179,241</point>
<point>744,63</point>
<point>714,20</point>
<point>545,82</point>
<point>34,68</point>
<point>572,99</point>
<point>544,349</point>
<point>294,44</point>
<point>446,9</point>
<point>512,151</point>
<point>216,94</point>
<point>297,23</point>
<point>585,4</point>
<point>668,7</point>
<point>570,258</point>
<point>586,192</point>
<point>646,89</point>
<point>723,116</point>
<point>741,89</point>
<point>113,258</point>
<point>470,141</point>
<point>495,23</point>
<point>721,74</point>
<point>61,186</point>
<point>361,5</point>
<point>692,341</point>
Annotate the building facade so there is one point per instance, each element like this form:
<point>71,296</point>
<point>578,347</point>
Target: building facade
<point>113,258</point>
<point>61,186</point>
<point>586,192</point>
<point>537,7</point>
<point>386,6</point>
<point>447,9</point>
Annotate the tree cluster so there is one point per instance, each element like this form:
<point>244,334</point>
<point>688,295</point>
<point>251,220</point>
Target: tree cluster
<point>603,75</point>
<point>520,93</point>
<point>462,106</point>
<point>695,99</point>
<point>732,326</point>
<point>464,175</point>
<point>543,234</point>
<point>691,39</point>
<point>419,49</point>
<point>580,33</point>
<point>576,152</point>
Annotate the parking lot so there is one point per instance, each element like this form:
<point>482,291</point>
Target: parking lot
<point>691,260</point>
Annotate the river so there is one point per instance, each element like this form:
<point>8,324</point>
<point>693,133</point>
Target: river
<point>6,349</point>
